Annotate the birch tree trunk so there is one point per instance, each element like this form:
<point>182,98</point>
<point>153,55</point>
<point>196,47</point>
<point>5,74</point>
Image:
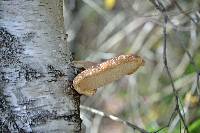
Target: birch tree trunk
<point>35,71</point>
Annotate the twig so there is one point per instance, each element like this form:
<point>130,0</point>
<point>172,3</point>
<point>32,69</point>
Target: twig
<point>169,74</point>
<point>117,119</point>
<point>162,9</point>
<point>182,11</point>
<point>158,5</point>
<point>172,116</point>
<point>198,75</point>
<point>112,117</point>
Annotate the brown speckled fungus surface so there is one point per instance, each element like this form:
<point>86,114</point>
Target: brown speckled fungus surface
<point>104,73</point>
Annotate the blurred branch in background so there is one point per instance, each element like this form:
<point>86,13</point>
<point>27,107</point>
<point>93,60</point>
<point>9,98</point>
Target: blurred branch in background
<point>178,102</point>
<point>101,29</point>
<point>114,118</point>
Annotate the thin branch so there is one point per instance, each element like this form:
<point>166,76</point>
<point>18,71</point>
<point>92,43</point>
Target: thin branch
<point>182,11</point>
<point>158,5</point>
<point>162,9</point>
<point>169,74</point>
<point>172,116</point>
<point>117,119</point>
<point>198,75</point>
<point>112,117</point>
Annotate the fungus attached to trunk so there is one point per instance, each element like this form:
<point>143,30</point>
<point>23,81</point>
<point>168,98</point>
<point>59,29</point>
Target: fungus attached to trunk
<point>106,72</point>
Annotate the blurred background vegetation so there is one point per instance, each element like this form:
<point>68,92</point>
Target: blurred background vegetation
<point>100,29</point>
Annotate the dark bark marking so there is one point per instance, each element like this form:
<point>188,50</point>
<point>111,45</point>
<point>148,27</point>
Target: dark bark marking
<point>3,127</point>
<point>28,36</point>
<point>30,73</point>
<point>42,116</point>
<point>20,72</point>
<point>13,70</point>
<point>10,48</point>
<point>7,117</point>
<point>54,73</point>
<point>10,51</point>
<point>73,94</point>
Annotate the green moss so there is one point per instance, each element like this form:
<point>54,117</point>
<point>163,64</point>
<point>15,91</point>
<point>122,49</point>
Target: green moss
<point>190,68</point>
<point>195,126</point>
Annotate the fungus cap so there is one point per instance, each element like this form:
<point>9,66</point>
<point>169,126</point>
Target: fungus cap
<point>104,73</point>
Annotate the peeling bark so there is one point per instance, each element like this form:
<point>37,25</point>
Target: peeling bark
<point>35,71</point>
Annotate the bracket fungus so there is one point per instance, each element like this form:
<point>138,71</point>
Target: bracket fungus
<point>96,76</point>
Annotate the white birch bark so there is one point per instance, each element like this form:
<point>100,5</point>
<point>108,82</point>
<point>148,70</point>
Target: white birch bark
<point>35,70</point>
